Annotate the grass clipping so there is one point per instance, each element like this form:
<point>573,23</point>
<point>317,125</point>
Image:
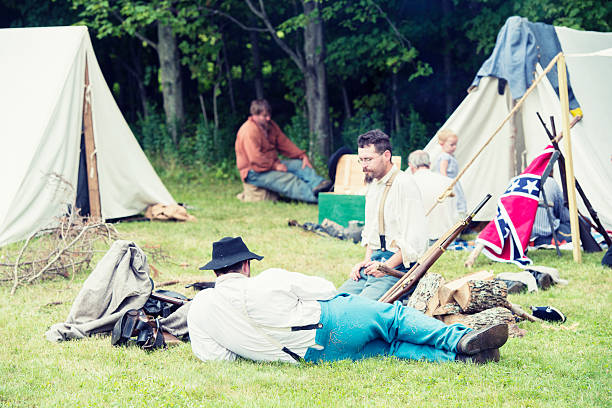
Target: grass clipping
<point>64,250</point>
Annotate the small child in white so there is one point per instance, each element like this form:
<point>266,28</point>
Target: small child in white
<point>447,165</point>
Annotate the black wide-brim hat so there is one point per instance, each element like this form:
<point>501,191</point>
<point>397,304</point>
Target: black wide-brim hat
<point>228,251</point>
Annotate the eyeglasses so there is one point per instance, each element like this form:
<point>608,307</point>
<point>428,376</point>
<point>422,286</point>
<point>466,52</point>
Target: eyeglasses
<point>368,160</point>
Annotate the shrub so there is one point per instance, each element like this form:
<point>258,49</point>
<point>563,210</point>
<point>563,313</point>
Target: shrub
<point>412,136</point>
<point>361,122</point>
<point>152,133</point>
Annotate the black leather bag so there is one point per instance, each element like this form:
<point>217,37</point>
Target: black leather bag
<point>159,308</point>
<point>136,328</point>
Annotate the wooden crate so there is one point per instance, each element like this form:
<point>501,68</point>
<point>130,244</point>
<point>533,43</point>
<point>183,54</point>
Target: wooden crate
<point>350,177</point>
<point>347,202</point>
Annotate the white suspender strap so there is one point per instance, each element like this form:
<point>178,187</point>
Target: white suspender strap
<point>381,211</point>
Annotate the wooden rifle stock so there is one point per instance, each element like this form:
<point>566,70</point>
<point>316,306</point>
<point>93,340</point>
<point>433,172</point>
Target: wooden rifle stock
<point>412,277</point>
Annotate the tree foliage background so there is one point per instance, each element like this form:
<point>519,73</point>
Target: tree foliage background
<point>184,71</point>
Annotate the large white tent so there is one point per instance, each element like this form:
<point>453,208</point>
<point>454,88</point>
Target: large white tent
<point>42,94</point>
<point>589,64</point>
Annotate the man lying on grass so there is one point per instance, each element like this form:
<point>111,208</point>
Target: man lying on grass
<point>286,316</point>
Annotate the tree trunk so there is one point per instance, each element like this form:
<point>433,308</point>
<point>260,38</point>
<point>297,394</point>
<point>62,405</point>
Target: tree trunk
<point>136,73</point>
<point>142,89</point>
<point>395,105</point>
<point>172,88</point>
<point>316,81</point>
<point>258,80</point>
<point>215,111</point>
<point>228,74</point>
<point>346,102</point>
<point>142,92</point>
<point>203,108</point>
<point>447,60</point>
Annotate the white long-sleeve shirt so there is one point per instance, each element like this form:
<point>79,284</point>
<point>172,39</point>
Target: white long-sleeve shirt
<point>276,298</point>
<point>445,214</point>
<point>404,217</point>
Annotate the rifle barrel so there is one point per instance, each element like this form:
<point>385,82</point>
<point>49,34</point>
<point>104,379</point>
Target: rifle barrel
<point>169,299</point>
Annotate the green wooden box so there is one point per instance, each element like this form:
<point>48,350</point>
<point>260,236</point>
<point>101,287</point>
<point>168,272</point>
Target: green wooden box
<point>341,208</point>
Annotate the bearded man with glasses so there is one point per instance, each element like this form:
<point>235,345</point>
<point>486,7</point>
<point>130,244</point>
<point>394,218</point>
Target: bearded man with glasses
<point>395,231</point>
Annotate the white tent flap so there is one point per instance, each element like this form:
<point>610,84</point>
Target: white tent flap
<point>42,80</point>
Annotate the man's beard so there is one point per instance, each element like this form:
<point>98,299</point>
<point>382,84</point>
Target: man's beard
<point>263,126</point>
<point>368,178</point>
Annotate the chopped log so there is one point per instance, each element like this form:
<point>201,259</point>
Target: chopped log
<point>426,293</point>
<point>480,295</point>
<point>486,318</point>
<point>475,296</point>
<point>447,291</point>
<point>447,309</point>
<point>481,319</point>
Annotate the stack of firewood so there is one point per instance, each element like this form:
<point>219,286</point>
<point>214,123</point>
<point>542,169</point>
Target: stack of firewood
<point>475,300</point>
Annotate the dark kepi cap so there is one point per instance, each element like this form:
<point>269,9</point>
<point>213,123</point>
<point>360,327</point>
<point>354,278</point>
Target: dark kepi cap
<point>228,251</point>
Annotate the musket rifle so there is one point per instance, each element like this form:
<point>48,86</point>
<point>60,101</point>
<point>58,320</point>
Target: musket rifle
<point>412,277</point>
<point>168,299</point>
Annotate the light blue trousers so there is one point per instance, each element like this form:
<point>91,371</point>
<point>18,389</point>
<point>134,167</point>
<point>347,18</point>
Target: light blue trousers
<point>355,327</point>
<point>369,286</point>
<point>296,183</point>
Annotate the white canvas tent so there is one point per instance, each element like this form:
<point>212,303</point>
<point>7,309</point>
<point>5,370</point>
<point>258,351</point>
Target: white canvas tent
<point>589,63</point>
<point>42,94</point>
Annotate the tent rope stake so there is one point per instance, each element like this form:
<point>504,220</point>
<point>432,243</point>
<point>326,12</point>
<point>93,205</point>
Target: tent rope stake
<point>449,189</point>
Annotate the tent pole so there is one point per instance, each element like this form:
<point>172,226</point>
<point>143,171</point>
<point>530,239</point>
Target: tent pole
<point>569,168</point>
<point>95,211</point>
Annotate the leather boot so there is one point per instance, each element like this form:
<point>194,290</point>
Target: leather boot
<point>322,187</point>
<point>491,337</point>
<point>485,356</point>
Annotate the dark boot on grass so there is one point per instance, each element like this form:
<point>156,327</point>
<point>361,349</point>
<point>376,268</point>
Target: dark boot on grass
<point>483,357</point>
<point>322,187</point>
<point>492,337</point>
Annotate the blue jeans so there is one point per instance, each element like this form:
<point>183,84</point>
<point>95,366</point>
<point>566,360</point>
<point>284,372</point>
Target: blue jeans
<point>369,286</point>
<point>355,327</point>
<point>295,183</point>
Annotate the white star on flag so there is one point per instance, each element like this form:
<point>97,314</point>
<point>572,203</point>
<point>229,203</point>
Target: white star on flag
<point>531,185</point>
<point>515,185</point>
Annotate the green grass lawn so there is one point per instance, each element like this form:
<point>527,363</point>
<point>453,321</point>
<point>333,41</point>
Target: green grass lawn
<point>549,367</point>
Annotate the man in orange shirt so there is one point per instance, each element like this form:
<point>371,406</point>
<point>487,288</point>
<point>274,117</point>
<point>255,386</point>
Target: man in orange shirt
<point>258,144</point>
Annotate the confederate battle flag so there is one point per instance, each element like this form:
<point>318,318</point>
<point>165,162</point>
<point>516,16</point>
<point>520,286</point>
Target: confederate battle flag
<point>506,237</point>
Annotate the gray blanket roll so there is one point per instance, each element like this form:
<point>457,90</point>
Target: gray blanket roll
<point>119,282</point>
